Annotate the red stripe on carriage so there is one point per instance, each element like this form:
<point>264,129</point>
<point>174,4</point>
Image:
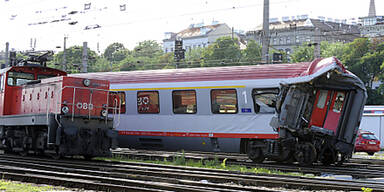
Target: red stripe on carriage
<point>185,134</point>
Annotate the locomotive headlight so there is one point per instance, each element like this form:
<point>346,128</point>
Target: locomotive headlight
<point>86,82</point>
<point>65,109</point>
<point>104,113</point>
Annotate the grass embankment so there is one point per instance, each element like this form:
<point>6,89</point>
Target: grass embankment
<point>211,164</point>
<point>11,186</point>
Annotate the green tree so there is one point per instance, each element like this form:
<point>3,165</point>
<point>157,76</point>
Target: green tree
<point>303,53</point>
<point>365,58</point>
<point>128,64</point>
<point>361,60</point>
<point>194,57</point>
<point>147,55</point>
<point>102,64</point>
<point>166,61</point>
<point>111,49</point>
<point>74,59</point>
<point>332,49</point>
<point>148,48</point>
<point>223,52</point>
<point>251,54</point>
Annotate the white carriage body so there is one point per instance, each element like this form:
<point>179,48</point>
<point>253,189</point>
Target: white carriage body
<point>205,130</point>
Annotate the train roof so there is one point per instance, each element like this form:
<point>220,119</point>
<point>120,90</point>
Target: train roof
<point>266,71</point>
<point>35,68</point>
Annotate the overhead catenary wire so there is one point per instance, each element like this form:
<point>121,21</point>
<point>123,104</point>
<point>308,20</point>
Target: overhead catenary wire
<point>169,17</point>
<point>111,24</point>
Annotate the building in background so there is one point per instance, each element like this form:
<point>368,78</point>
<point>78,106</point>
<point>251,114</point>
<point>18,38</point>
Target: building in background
<point>372,25</point>
<point>2,57</point>
<point>291,32</point>
<point>198,35</point>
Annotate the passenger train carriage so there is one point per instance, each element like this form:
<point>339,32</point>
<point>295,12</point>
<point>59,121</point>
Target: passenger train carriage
<point>43,111</point>
<point>306,112</point>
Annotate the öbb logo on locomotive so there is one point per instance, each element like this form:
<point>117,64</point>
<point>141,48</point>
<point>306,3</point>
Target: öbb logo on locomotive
<point>44,111</point>
<point>305,112</point>
<point>84,106</point>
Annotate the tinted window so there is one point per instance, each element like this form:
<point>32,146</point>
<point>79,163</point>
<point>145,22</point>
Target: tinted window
<point>148,102</point>
<point>224,101</point>
<point>265,100</point>
<point>184,102</point>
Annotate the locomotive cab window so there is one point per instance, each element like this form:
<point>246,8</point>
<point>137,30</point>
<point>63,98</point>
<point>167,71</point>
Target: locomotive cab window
<point>265,100</point>
<point>45,76</point>
<point>184,102</point>
<point>224,101</point>
<point>148,102</point>
<point>17,78</point>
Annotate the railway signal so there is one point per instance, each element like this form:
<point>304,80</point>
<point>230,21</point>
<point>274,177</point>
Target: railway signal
<point>179,51</point>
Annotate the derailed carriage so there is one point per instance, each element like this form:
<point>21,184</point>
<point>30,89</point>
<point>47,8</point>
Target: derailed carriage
<point>318,116</point>
<point>305,112</point>
<point>43,111</point>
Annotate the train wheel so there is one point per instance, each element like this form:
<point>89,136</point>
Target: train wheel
<point>305,154</point>
<point>328,157</point>
<point>255,153</point>
<point>286,157</point>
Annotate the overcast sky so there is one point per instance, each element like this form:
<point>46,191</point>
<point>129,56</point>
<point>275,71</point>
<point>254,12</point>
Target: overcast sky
<point>147,19</point>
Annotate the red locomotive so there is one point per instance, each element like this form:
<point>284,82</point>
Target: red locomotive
<point>43,111</point>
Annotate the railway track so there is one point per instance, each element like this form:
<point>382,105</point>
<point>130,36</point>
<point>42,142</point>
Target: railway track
<point>358,168</point>
<point>133,176</point>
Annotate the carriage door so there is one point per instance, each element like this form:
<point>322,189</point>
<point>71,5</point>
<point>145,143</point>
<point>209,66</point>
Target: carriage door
<point>320,108</point>
<point>334,112</point>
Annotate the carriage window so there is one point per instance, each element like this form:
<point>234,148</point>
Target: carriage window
<point>322,99</point>
<point>148,102</point>
<point>338,105</point>
<point>265,100</point>
<point>184,102</point>
<point>17,78</point>
<point>116,99</point>
<point>224,101</point>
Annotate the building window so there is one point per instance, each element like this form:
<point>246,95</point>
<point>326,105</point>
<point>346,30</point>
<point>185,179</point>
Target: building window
<point>288,40</point>
<point>184,102</point>
<point>224,101</point>
<point>274,41</point>
<point>265,100</point>
<point>297,39</point>
<point>148,102</point>
<point>281,42</point>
